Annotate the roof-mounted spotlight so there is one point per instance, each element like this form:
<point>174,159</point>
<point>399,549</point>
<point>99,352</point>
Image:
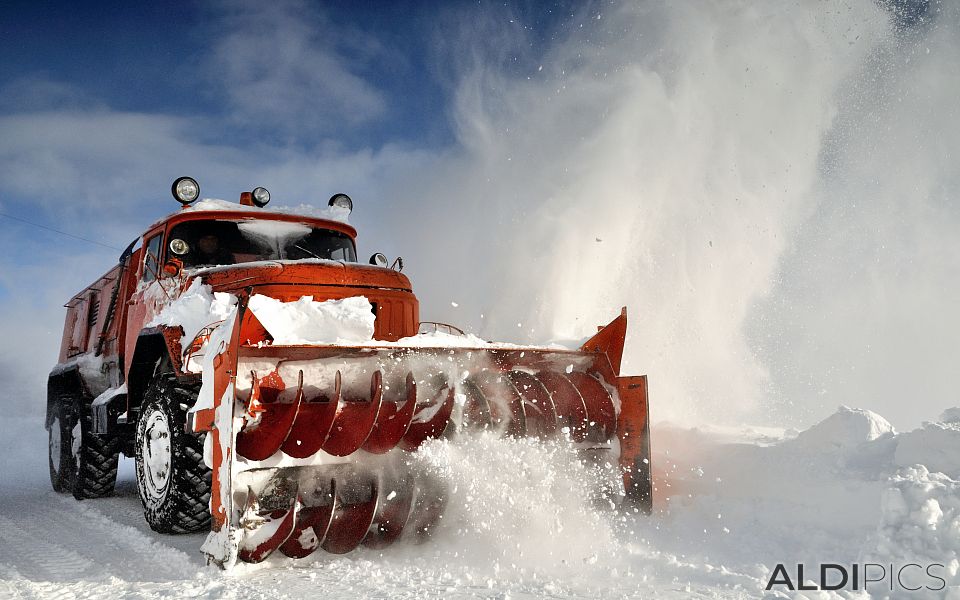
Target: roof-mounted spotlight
<point>341,201</point>
<point>186,190</point>
<point>260,196</point>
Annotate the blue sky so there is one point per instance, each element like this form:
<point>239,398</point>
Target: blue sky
<point>181,83</point>
<point>393,61</point>
<point>157,58</point>
<point>757,182</point>
<point>237,83</point>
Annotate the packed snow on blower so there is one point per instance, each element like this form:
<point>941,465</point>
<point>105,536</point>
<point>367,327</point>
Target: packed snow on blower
<point>270,387</point>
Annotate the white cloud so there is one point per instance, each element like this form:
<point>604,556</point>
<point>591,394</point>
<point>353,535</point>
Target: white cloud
<point>31,93</point>
<point>285,67</point>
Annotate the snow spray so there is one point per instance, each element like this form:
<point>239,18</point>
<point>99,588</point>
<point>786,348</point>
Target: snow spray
<point>770,188</point>
<point>519,508</point>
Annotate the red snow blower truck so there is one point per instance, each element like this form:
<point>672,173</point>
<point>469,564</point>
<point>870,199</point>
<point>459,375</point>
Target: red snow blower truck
<point>284,445</point>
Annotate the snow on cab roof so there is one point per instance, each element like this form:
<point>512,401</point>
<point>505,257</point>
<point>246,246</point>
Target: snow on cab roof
<point>330,213</point>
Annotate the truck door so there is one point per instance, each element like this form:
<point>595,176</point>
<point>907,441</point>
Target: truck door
<point>145,301</point>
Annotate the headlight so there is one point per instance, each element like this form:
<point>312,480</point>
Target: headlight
<point>341,201</point>
<point>186,190</point>
<point>179,247</point>
<point>260,196</point>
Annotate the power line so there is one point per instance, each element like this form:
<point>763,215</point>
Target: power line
<point>76,237</point>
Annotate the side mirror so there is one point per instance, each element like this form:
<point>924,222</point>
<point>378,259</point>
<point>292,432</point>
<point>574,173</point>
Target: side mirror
<point>172,267</point>
<point>397,264</point>
<point>379,259</point>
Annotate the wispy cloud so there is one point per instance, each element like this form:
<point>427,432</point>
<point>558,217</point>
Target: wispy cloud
<point>38,92</point>
<point>284,67</point>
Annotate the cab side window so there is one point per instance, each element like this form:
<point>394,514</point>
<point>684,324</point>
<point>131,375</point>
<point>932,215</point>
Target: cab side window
<point>151,258</point>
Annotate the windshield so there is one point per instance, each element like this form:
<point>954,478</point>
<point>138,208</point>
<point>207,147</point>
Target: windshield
<point>207,243</point>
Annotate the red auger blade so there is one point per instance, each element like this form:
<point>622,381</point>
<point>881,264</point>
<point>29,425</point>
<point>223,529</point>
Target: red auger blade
<point>350,524</point>
<point>429,421</point>
<point>262,439</point>
<point>571,412</point>
<point>601,412</point>
<point>541,416</point>
<point>313,423</point>
<point>393,421</point>
<point>505,403</point>
<point>476,409</point>
<point>311,528</point>
<point>392,515</point>
<point>428,506</point>
<point>354,421</point>
<point>276,527</point>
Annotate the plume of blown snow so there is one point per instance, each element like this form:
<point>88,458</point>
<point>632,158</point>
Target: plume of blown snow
<point>661,159</point>
<point>706,164</point>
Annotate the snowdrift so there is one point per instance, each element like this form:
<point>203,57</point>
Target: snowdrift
<point>731,504</point>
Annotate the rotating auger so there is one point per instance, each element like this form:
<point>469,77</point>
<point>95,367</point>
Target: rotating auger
<point>307,440</point>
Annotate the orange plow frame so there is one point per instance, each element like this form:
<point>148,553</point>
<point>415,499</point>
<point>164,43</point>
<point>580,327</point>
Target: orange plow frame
<point>527,391</point>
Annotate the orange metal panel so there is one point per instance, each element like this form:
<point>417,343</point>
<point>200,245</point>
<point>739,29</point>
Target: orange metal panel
<point>633,429</point>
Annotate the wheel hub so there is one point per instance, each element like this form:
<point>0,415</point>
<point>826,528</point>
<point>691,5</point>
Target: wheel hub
<point>157,457</point>
<point>55,445</point>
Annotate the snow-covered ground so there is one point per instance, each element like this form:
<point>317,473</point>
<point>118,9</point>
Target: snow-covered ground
<point>730,505</point>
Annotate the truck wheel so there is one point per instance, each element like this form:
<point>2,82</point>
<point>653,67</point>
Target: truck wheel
<point>59,444</point>
<point>93,458</point>
<point>81,462</point>
<point>173,481</point>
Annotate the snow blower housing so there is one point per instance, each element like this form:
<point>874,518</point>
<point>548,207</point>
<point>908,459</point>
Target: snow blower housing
<point>280,443</point>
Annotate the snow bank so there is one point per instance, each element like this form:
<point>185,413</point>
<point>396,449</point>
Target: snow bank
<point>845,429</point>
<point>921,524</point>
<point>951,415</point>
<point>331,213</point>
<point>305,321</point>
<point>847,490</point>
<point>934,445</point>
<point>196,308</point>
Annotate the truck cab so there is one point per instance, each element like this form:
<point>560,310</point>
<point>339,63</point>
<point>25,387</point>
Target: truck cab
<point>110,350</point>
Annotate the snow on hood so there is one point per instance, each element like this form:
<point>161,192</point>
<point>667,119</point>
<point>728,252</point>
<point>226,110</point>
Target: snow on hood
<point>305,321</point>
<point>331,213</point>
<point>350,322</point>
<point>196,308</point>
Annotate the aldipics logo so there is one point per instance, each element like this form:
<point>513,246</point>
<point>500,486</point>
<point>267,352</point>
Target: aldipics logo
<point>867,577</point>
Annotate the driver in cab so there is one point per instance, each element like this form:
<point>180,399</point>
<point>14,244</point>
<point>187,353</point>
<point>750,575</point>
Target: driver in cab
<point>210,252</point>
